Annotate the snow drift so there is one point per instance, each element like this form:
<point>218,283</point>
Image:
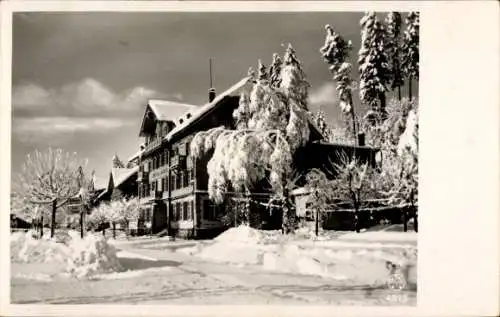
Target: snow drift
<point>337,255</point>
<point>92,255</point>
<point>79,257</point>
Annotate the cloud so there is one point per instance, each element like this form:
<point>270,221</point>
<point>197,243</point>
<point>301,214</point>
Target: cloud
<point>324,96</point>
<point>85,97</point>
<point>59,128</point>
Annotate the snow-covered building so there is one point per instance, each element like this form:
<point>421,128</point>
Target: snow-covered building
<point>172,185</point>
<point>122,181</point>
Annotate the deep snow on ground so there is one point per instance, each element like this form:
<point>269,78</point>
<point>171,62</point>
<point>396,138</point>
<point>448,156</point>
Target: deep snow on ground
<point>68,254</point>
<point>267,268</point>
<point>360,257</point>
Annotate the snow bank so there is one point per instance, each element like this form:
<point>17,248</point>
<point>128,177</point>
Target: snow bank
<point>237,253</point>
<point>361,266</point>
<point>26,249</point>
<point>92,255</point>
<point>241,234</point>
<point>380,236</point>
<point>80,258</point>
<point>363,258</point>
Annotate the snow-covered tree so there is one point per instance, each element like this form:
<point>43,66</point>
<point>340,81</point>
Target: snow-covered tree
<point>399,178</point>
<point>320,194</point>
<point>393,42</point>
<point>293,80</point>
<point>411,51</point>
<point>375,73</point>
<point>50,178</point>
<point>335,52</point>
<point>319,119</point>
<point>354,183</point>
<point>275,71</point>
<point>100,217</point>
<point>117,163</point>
<point>274,126</point>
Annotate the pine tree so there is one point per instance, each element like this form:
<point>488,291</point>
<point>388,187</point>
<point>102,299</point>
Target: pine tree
<point>336,53</point>
<point>117,163</point>
<point>411,54</point>
<point>293,80</point>
<point>274,126</point>
<point>373,64</point>
<point>393,21</point>
<point>275,71</point>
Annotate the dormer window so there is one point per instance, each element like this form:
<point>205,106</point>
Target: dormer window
<point>181,120</point>
<point>188,115</point>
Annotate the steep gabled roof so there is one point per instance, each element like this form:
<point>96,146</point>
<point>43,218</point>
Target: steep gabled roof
<point>165,110</point>
<point>120,175</point>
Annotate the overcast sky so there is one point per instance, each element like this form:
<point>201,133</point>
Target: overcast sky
<point>80,80</point>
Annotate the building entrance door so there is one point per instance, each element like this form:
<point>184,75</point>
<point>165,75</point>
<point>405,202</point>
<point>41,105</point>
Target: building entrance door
<point>159,217</point>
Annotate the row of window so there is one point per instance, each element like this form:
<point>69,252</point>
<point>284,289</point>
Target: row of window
<point>178,180</point>
<point>182,211</point>
<point>161,159</point>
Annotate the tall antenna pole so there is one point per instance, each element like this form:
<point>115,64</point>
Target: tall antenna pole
<point>210,67</point>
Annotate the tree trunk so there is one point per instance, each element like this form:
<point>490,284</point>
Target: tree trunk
<point>114,230</point>
<point>415,219</point>
<point>82,220</point>
<point>41,226</point>
<point>383,111</point>
<point>399,93</point>
<point>409,88</point>
<point>103,231</point>
<point>356,220</point>
<point>317,222</point>
<point>405,224</point>
<point>53,222</point>
<point>353,118</point>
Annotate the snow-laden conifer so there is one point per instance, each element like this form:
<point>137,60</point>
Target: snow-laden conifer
<point>335,52</point>
<point>272,123</point>
<point>411,39</point>
<point>393,44</point>
<point>373,63</point>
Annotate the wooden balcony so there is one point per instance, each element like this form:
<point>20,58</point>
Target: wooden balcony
<point>159,172</point>
<point>152,145</point>
<point>178,161</point>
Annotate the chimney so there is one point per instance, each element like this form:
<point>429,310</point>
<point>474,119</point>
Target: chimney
<point>361,139</point>
<point>211,94</point>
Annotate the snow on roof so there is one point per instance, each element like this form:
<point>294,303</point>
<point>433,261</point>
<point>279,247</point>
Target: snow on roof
<point>136,155</point>
<point>165,110</point>
<point>200,111</point>
<point>120,175</point>
<point>99,183</point>
<point>346,145</point>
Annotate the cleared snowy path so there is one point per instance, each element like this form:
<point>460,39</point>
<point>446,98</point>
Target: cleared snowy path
<point>177,278</point>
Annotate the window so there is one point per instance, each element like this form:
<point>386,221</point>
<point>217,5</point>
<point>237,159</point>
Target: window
<point>153,186</point>
<point>190,210</point>
<point>185,211</point>
<point>178,213</point>
<point>174,182</point>
<point>179,181</point>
